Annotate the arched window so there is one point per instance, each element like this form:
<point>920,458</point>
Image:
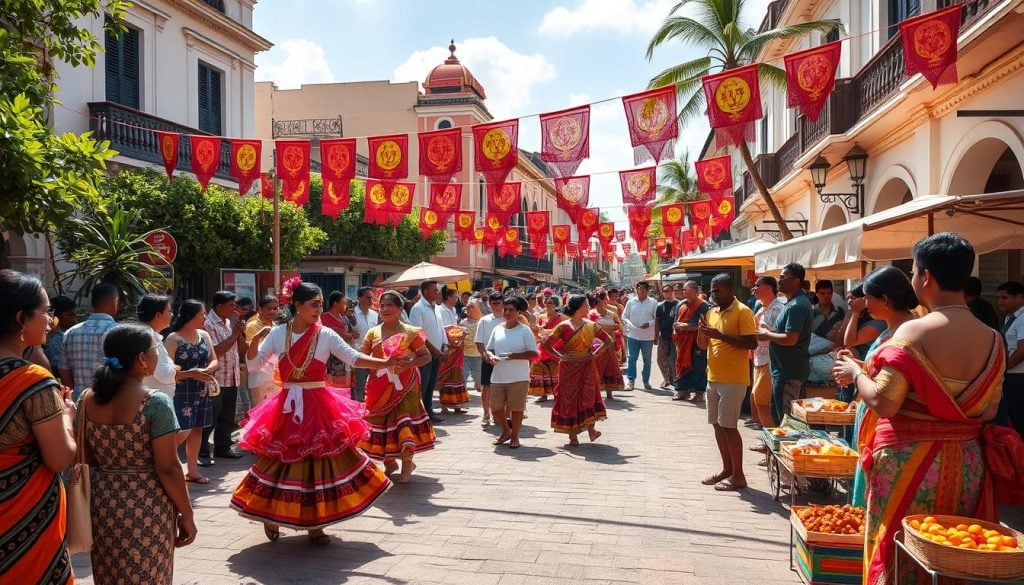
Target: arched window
<point>443,124</point>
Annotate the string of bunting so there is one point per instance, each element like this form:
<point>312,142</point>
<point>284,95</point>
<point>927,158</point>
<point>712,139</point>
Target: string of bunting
<point>733,100</point>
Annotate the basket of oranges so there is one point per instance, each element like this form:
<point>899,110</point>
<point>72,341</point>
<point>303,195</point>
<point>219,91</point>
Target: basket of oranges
<point>822,411</point>
<point>965,546</point>
<point>819,458</point>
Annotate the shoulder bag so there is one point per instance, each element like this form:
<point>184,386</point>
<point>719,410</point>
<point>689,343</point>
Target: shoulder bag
<point>79,496</point>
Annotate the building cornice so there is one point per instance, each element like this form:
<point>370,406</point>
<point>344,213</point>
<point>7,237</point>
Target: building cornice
<point>192,35</point>
<point>222,24</point>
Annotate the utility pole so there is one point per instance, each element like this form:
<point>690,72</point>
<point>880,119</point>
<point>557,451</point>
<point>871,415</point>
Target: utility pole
<point>275,235</point>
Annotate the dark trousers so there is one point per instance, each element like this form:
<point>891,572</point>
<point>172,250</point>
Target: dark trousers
<point>223,425</point>
<point>428,379</point>
<point>784,392</point>
<point>1012,403</point>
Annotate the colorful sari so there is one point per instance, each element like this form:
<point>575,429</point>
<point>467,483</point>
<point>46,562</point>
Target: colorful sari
<point>394,410</point>
<point>691,361</point>
<point>451,384</point>
<point>309,473</point>
<point>544,369</point>
<point>928,458</point>
<point>858,496</point>
<point>578,403</point>
<point>338,373</point>
<point>32,504</point>
<point>608,362</point>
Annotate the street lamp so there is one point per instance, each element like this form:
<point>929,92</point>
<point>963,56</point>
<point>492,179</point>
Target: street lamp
<point>857,163</point>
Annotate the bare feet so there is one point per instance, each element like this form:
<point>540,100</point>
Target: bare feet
<point>573,441</point>
<point>504,438</point>
<point>273,531</point>
<point>407,468</point>
<point>390,466</point>
<point>594,434</point>
<point>513,443</point>
<point>731,484</point>
<point>486,422</point>
<point>319,538</point>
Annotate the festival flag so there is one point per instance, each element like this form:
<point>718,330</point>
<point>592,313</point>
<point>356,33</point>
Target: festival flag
<point>673,217</point>
<point>537,227</point>
<point>620,235</point>
<point>560,235</point>
<point>638,186</point>
<point>504,202</point>
<point>464,224</point>
<point>245,162</point>
<point>639,221</point>
<point>497,150</point>
<point>494,230</point>
<point>376,205</point>
<point>605,233</point>
<point>590,217</point>
<point>734,102</point>
<point>642,248</point>
<point>810,78</point>
<point>572,250</point>
<point>929,44</point>
<point>445,199</point>
<point>430,222</point>
<point>714,176</point>
<point>651,116</point>
<point>400,201</point>
<point>700,216</point>
<point>723,212</point>
<point>205,157</point>
<point>565,139</point>
<point>337,167</point>
<point>479,234</point>
<point>440,154</point>
<point>573,194</point>
<point>389,159</point>
<point>168,142</point>
<point>509,244</point>
<point>689,242</point>
<point>267,186</point>
<point>334,198</point>
<point>293,169</point>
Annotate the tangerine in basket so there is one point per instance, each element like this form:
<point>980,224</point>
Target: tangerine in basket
<point>972,537</point>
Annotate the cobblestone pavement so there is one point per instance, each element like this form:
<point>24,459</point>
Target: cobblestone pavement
<point>627,509</point>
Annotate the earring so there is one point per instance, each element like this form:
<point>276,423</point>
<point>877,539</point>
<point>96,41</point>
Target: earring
<point>23,335</point>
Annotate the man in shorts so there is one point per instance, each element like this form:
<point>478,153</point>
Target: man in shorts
<point>728,332</point>
<point>765,290</point>
<point>483,335</point>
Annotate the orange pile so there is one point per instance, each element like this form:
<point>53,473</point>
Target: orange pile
<point>833,519</point>
<point>964,536</point>
<point>819,448</point>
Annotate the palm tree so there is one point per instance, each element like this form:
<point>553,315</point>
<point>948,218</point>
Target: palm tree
<point>717,31</point>
<point>676,182</point>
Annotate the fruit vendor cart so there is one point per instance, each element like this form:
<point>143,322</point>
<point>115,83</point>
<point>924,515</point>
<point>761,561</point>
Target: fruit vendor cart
<point>944,551</point>
<point>829,554</point>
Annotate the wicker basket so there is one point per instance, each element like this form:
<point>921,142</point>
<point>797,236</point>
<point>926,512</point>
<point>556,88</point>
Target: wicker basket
<point>822,418</point>
<point>824,466</point>
<point>978,564</point>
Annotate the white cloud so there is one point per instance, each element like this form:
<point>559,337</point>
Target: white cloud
<point>623,16</point>
<point>508,77</point>
<point>294,62</point>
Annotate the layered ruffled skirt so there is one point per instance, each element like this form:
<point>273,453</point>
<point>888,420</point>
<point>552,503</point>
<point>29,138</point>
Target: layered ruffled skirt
<point>543,377</point>
<point>405,428</point>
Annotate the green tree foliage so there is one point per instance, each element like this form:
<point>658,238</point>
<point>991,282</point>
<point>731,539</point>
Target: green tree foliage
<point>676,184</point>
<point>214,230</point>
<point>349,235</point>
<point>725,42</point>
<point>44,178</point>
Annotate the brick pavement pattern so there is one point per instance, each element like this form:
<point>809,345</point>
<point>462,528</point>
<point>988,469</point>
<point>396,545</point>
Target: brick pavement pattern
<point>627,509</point>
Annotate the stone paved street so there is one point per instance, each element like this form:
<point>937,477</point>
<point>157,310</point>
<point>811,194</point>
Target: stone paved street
<point>627,509</point>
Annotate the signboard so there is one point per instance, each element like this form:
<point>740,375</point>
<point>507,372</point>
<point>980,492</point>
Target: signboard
<point>164,244</point>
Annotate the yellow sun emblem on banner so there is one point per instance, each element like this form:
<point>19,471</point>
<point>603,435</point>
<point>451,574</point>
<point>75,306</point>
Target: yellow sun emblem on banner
<point>674,215</point>
<point>732,96</point>
<point>389,155</point>
<point>429,217</point>
<point>931,40</point>
<point>246,157</point>
<point>465,221</point>
<point>496,144</point>
<point>167,147</point>
<point>377,195</point>
<point>400,195</point>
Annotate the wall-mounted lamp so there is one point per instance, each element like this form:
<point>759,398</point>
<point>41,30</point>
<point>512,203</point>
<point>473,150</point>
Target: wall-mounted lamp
<point>857,163</point>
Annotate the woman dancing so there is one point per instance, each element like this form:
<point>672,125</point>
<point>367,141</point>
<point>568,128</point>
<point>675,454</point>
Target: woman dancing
<point>608,363</point>
<point>544,371</point>
<point>578,405</point>
<point>399,425</point>
<point>309,473</point>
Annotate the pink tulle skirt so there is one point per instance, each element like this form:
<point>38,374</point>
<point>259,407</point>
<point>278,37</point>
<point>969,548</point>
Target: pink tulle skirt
<point>331,423</point>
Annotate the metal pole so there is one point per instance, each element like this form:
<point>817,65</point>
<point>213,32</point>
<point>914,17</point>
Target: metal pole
<point>276,230</point>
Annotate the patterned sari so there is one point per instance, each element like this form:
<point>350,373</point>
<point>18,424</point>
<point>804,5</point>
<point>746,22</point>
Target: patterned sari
<point>32,505</point>
<point>544,369</point>
<point>578,403</point>
<point>928,458</point>
<point>394,410</point>
<point>608,362</point>
<point>451,384</point>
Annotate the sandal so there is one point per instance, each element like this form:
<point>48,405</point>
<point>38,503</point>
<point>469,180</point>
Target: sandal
<point>485,423</point>
<point>199,479</point>
<point>272,531</point>
<point>727,486</point>
<point>319,538</point>
<point>714,479</point>
<point>501,440</point>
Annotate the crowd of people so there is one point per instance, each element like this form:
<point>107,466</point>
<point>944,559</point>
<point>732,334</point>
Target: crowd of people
<point>322,389</point>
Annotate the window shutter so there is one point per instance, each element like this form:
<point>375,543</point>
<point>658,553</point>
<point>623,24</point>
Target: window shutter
<point>113,67</point>
<point>215,102</point>
<point>204,96</point>
<point>130,77</point>
<point>210,103</point>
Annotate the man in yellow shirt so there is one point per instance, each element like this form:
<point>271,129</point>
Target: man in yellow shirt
<point>728,333</point>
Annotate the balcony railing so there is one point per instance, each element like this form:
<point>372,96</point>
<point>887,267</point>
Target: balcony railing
<point>880,78</point>
<point>132,133</point>
<point>523,263</point>
<point>973,9</point>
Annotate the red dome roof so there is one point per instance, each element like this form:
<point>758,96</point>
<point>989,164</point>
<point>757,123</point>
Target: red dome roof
<point>452,77</point>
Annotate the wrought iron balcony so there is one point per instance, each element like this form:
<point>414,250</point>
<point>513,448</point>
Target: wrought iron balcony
<point>524,263</point>
<point>973,9</point>
<point>880,78</point>
<point>132,133</point>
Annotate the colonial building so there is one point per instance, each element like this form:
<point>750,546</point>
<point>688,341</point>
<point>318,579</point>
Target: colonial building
<point>181,65</point>
<point>451,97</point>
<point>885,139</point>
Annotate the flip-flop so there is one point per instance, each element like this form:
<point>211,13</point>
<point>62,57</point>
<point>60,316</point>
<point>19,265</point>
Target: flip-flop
<point>501,440</point>
<point>727,486</point>
<point>714,479</point>
<point>201,479</point>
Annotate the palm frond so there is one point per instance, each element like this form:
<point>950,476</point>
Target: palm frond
<point>693,106</point>
<point>684,29</point>
<point>771,75</point>
<point>683,72</point>
<point>752,48</point>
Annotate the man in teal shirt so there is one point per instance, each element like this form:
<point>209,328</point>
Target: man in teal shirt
<point>790,339</point>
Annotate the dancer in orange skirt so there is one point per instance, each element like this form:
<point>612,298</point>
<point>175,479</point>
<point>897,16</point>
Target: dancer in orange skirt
<point>544,370</point>
<point>608,364</point>
<point>399,425</point>
<point>451,382</point>
<point>578,405</point>
<point>309,473</point>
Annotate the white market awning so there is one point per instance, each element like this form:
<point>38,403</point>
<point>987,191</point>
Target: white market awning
<point>991,221</point>
<point>737,255</point>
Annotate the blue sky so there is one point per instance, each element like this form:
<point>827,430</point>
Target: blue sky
<point>530,56</point>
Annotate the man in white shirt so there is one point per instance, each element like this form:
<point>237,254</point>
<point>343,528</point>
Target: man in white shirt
<point>639,319</point>
<point>1010,300</point>
<point>510,348</point>
<point>766,290</point>
<point>446,312</point>
<point>423,315</point>
<point>483,334</point>
<point>366,319</point>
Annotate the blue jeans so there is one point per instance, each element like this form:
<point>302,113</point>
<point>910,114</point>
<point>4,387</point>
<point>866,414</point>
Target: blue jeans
<point>634,347</point>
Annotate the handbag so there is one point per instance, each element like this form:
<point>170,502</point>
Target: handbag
<point>212,388</point>
<point>79,495</point>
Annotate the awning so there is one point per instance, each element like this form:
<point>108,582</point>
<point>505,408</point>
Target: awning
<point>736,256</point>
<point>990,222</point>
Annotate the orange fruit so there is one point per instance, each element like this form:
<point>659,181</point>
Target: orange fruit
<point>987,547</point>
<point>934,529</point>
<point>956,539</point>
<point>939,539</point>
<point>975,529</point>
<point>929,519</point>
<point>996,540</point>
<point>1008,541</point>
<point>969,544</point>
<point>1007,548</point>
<point>915,524</point>
<point>961,527</point>
<point>990,533</point>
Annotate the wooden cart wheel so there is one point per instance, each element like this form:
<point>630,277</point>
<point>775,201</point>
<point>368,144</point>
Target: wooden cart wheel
<point>774,476</point>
